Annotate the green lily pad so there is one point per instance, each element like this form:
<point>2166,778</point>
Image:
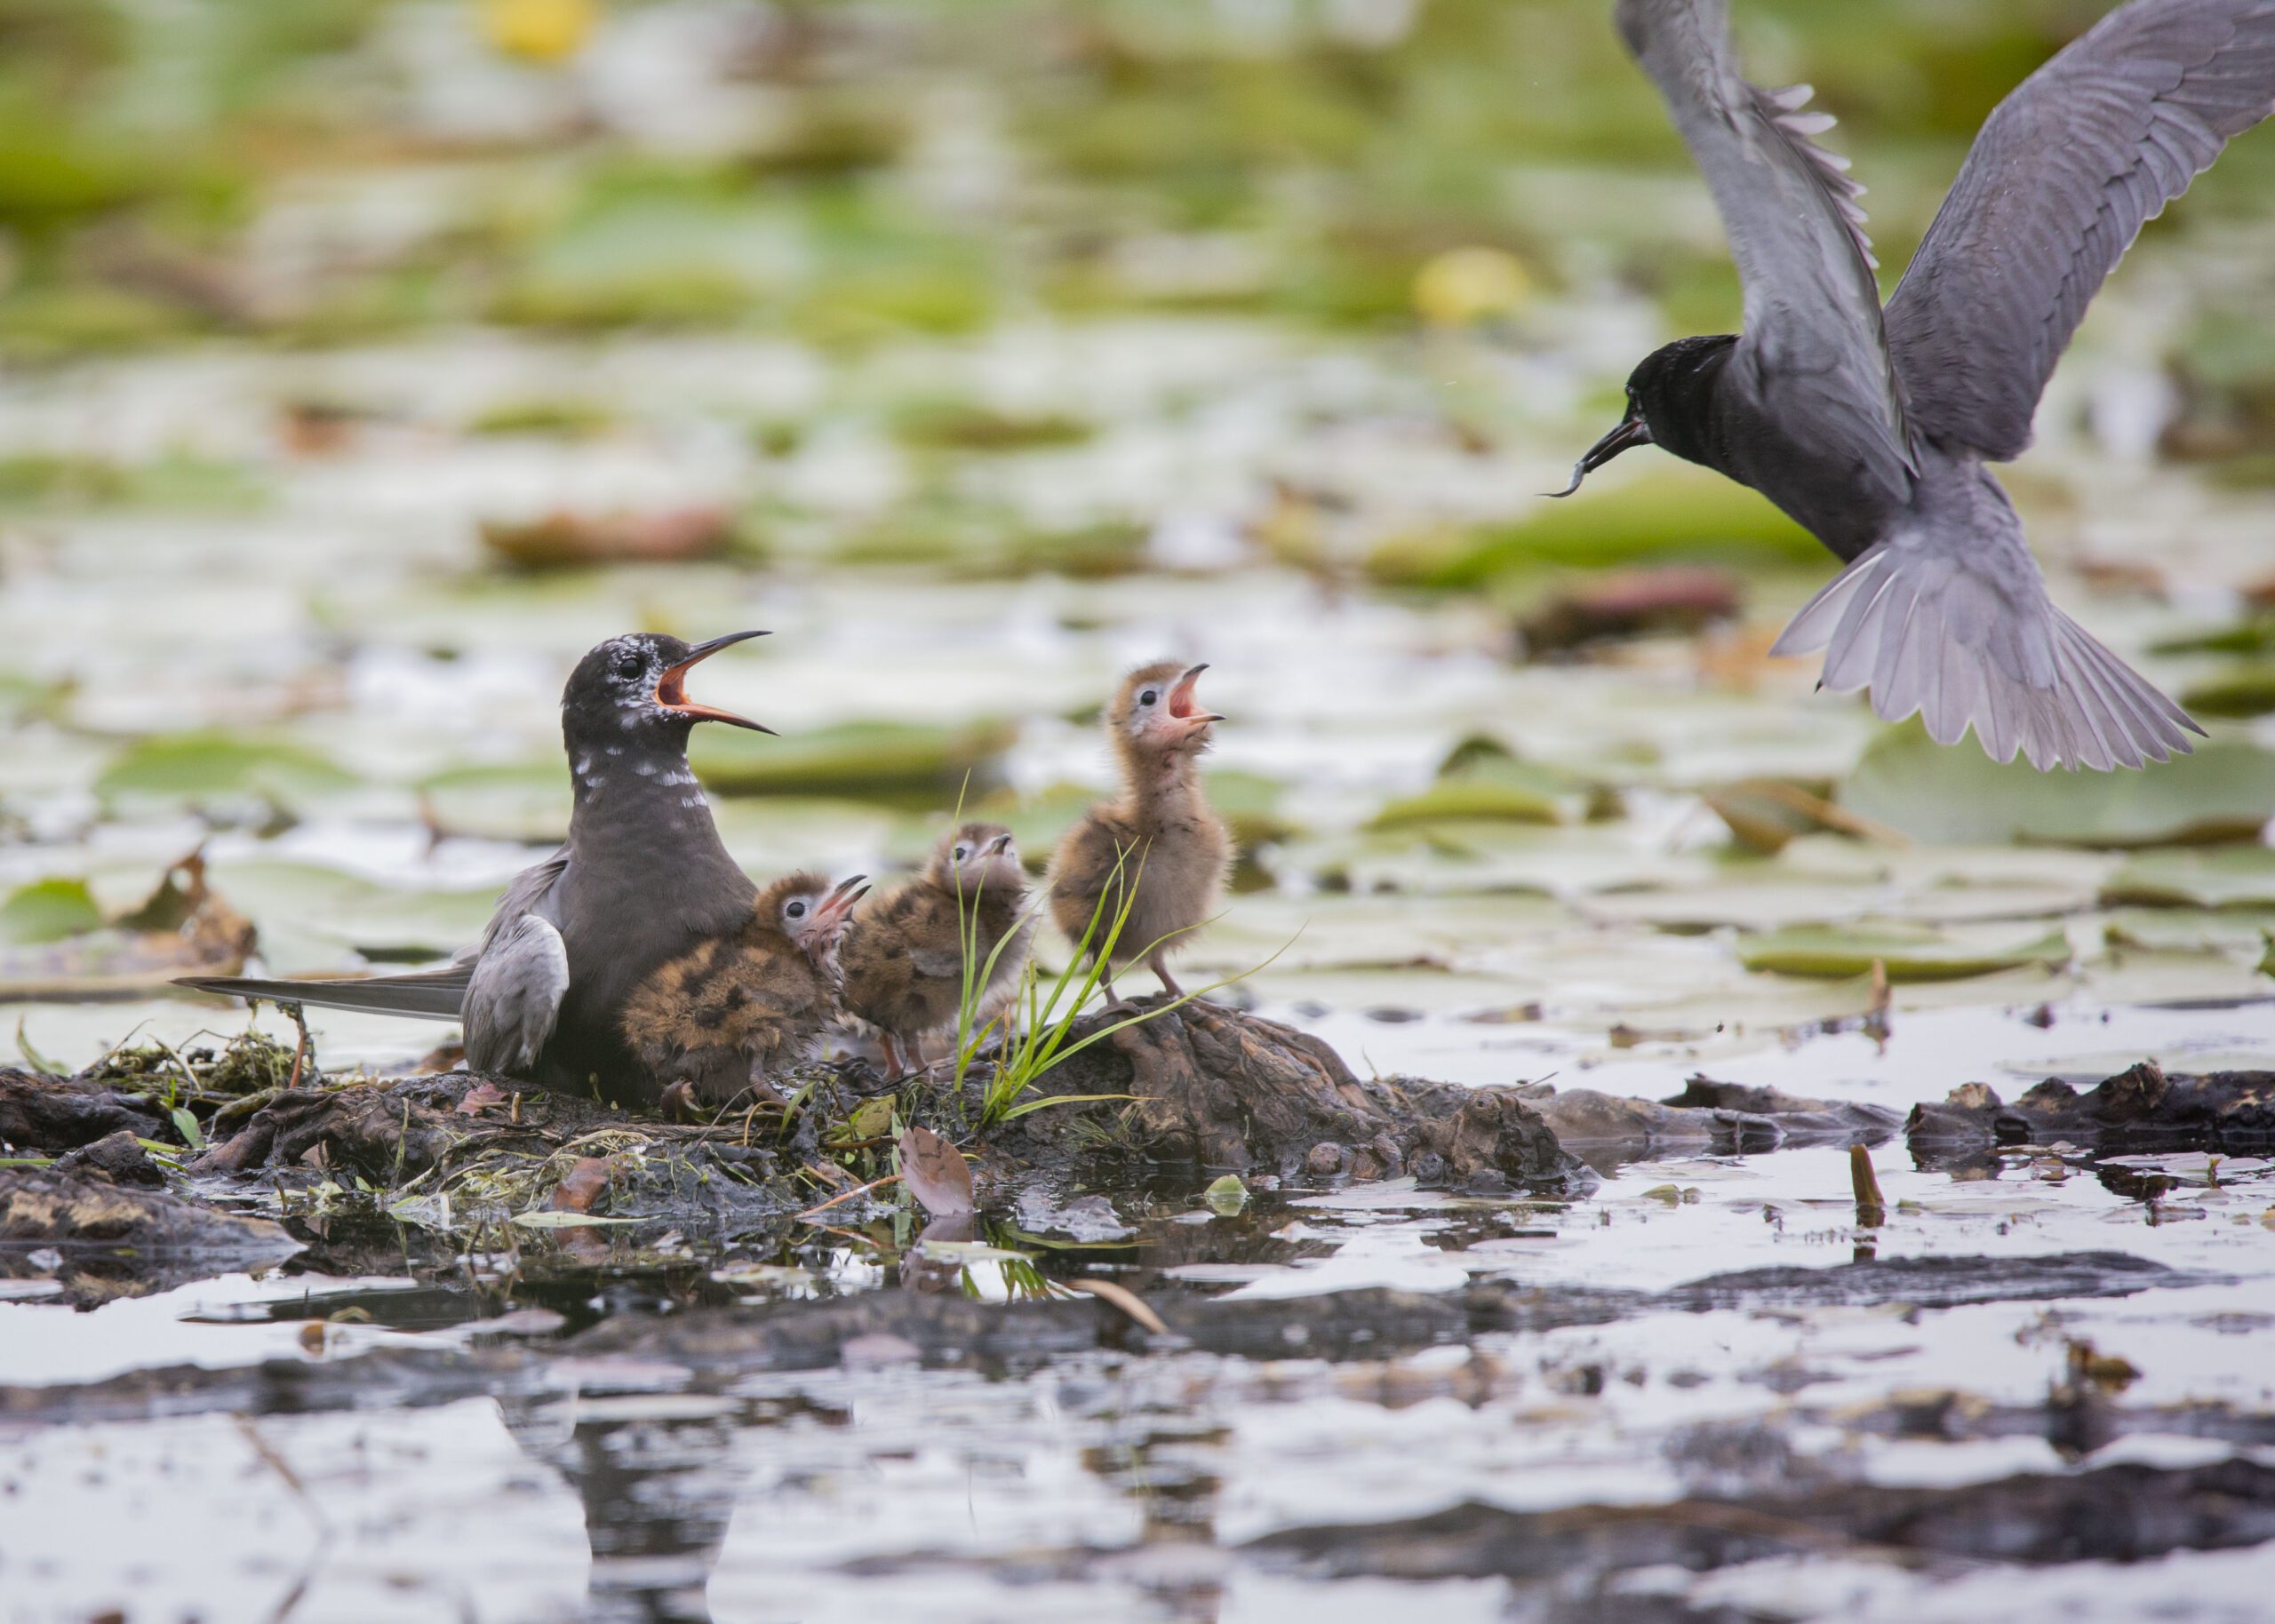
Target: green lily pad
<point>566,1221</point>
<point>968,425</point>
<point>1673,513</point>
<point>2247,689</point>
<point>1491,787</point>
<point>192,766</point>
<point>2233,877</point>
<point>307,913</point>
<point>1766,815</point>
<point>861,758</point>
<point>2255,636</point>
<point>522,800</point>
<point>2238,929</point>
<point>1907,953</point>
<point>1958,795</point>
<point>48,911</point>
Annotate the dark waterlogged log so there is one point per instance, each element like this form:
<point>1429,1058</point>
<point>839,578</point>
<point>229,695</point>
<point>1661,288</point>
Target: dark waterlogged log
<point>101,1239</point>
<point>1707,1118</point>
<point>1198,1085</point>
<point>1219,1089</point>
<point>2141,1108</point>
<point>51,1114</point>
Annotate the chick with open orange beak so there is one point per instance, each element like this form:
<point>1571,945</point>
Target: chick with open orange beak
<point>1158,850</point>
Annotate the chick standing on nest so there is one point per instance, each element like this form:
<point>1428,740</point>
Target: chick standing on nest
<point>717,1019</point>
<point>904,962</point>
<point>1160,846</point>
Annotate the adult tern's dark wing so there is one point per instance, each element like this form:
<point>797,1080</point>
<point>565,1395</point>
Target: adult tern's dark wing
<point>513,995</point>
<point>2060,181</point>
<point>496,1002</point>
<point>1813,348</point>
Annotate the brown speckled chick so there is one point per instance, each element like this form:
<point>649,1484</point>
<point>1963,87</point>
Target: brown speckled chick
<point>715,1021</point>
<point>904,962</point>
<point>1172,848</point>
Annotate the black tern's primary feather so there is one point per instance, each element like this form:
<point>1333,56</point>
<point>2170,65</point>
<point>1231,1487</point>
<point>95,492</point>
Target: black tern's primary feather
<point>435,995</point>
<point>1872,428</point>
<point>2064,176</point>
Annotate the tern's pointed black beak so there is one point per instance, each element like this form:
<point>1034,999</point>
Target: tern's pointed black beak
<point>671,688</point>
<point>1632,432</point>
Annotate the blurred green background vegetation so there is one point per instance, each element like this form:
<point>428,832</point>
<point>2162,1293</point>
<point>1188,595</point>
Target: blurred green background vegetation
<point>858,170</point>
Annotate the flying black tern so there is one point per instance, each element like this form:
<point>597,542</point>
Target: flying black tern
<point>1870,427</point>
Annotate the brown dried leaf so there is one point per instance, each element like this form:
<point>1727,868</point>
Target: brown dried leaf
<point>478,1096</point>
<point>936,1173</point>
<point>1632,603</point>
<point>184,925</point>
<point>585,1184</point>
<point>562,540</point>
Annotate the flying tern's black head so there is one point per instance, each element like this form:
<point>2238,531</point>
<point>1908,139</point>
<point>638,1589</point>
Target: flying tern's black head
<point>633,689</point>
<point>1670,404</point>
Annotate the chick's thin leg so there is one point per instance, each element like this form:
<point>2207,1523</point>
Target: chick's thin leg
<point>761,1089</point>
<point>1158,962</point>
<point>1113,1001</point>
<point>895,1067</point>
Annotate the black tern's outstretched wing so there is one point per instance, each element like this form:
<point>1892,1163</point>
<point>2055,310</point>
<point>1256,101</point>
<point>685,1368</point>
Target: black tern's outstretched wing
<point>2062,179</point>
<point>432,995</point>
<point>1813,337</point>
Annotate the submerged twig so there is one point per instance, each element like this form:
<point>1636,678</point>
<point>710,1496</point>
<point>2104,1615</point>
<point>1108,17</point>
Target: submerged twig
<point>1129,1301</point>
<point>858,1190</point>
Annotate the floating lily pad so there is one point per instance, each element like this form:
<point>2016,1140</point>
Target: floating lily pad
<point>2237,877</point>
<point>304,909</point>
<point>2223,792</point>
<point>964,425</point>
<point>864,758</point>
<point>1674,515</point>
<point>2247,689</point>
<point>1764,814</point>
<point>520,801</point>
<point>60,944</point>
<point>48,911</point>
<point>2255,636</point>
<point>1907,953</point>
<point>1490,787</point>
<point>2237,929</point>
<point>192,766</point>
<point>1479,855</point>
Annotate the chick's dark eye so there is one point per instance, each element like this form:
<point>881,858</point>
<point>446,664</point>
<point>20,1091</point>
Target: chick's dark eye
<point>796,910</point>
<point>1147,697</point>
<point>962,852</point>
